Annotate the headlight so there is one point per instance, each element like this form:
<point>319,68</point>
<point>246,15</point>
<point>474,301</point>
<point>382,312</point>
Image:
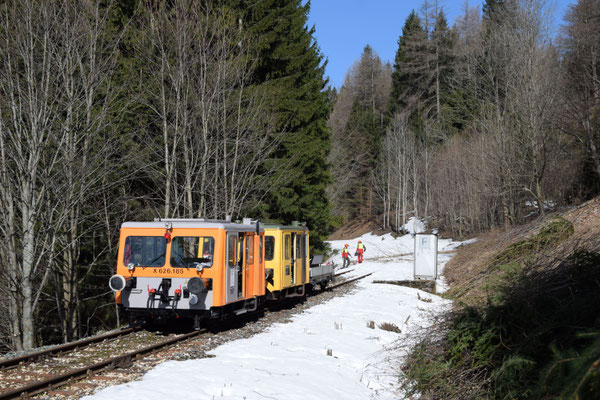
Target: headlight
<point>131,266</point>
<point>116,283</point>
<point>193,299</point>
<point>195,285</point>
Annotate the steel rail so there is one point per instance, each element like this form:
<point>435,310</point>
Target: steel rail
<point>348,281</point>
<point>342,273</point>
<point>10,362</point>
<point>58,380</point>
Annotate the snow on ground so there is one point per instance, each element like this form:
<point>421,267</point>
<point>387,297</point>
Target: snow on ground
<point>290,361</point>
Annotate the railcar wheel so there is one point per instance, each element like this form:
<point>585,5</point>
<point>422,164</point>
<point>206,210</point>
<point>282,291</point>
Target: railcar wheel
<point>197,320</point>
<point>131,320</point>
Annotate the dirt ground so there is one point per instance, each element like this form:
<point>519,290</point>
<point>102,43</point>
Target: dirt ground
<point>354,230</point>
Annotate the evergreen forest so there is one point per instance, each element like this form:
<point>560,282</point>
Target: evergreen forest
<point>121,110</point>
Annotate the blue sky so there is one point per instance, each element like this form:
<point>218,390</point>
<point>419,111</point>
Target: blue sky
<point>344,27</point>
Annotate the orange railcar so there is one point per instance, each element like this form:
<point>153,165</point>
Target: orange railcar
<point>189,268</point>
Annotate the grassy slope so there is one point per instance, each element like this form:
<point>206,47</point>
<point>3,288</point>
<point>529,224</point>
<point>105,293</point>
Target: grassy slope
<point>527,321</point>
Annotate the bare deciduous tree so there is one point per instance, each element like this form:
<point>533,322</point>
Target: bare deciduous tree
<point>86,60</point>
<point>51,124</point>
<point>215,128</point>
<point>581,83</point>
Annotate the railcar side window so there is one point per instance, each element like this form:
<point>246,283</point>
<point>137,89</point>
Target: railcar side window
<point>190,251</point>
<point>231,247</point>
<point>287,247</point>
<point>269,247</point>
<point>240,254</point>
<point>145,251</point>
<point>306,246</point>
<point>260,249</point>
<point>250,250</point>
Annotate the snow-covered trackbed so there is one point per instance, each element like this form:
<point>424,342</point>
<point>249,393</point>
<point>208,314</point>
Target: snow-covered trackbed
<point>331,351</point>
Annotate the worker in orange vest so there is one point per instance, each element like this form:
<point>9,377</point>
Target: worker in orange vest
<point>360,249</point>
<point>346,256</point>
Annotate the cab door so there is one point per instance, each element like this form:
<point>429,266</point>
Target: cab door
<point>293,261</point>
<point>242,265</point>
<point>234,283</point>
<point>300,257</point>
<point>287,260</point>
<point>303,256</point>
<point>249,266</point>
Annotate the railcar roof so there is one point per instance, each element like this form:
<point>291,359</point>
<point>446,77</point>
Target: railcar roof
<point>191,224</point>
<point>285,227</point>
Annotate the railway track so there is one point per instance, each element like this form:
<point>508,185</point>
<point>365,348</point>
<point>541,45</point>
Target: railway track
<point>348,281</point>
<point>38,355</point>
<point>25,372</point>
<point>342,273</point>
<point>55,371</point>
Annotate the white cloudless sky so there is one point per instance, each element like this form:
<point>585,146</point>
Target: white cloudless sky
<point>345,27</point>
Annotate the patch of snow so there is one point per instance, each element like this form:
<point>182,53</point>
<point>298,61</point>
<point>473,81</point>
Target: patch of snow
<point>414,225</point>
<point>440,283</point>
<point>290,360</point>
<point>451,245</point>
<point>548,204</point>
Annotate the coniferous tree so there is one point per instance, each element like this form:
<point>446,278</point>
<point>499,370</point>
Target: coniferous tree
<point>464,98</point>
<point>581,84</point>
<point>291,65</point>
<point>407,73</point>
<point>371,83</point>
<point>420,99</point>
<point>442,40</point>
<point>491,9</point>
<point>422,69</point>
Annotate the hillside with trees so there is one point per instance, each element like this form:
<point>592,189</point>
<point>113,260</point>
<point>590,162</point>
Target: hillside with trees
<point>525,321</point>
<point>486,122</point>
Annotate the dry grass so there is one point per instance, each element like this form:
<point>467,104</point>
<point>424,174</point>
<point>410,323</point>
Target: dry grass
<point>468,271</point>
<point>390,327</point>
<point>586,221</point>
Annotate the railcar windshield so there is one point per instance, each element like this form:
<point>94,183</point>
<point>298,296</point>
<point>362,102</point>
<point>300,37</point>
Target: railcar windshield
<point>191,251</point>
<point>145,251</point>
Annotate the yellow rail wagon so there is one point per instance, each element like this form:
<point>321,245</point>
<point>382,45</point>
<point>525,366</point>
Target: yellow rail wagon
<point>286,260</point>
<point>189,268</point>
